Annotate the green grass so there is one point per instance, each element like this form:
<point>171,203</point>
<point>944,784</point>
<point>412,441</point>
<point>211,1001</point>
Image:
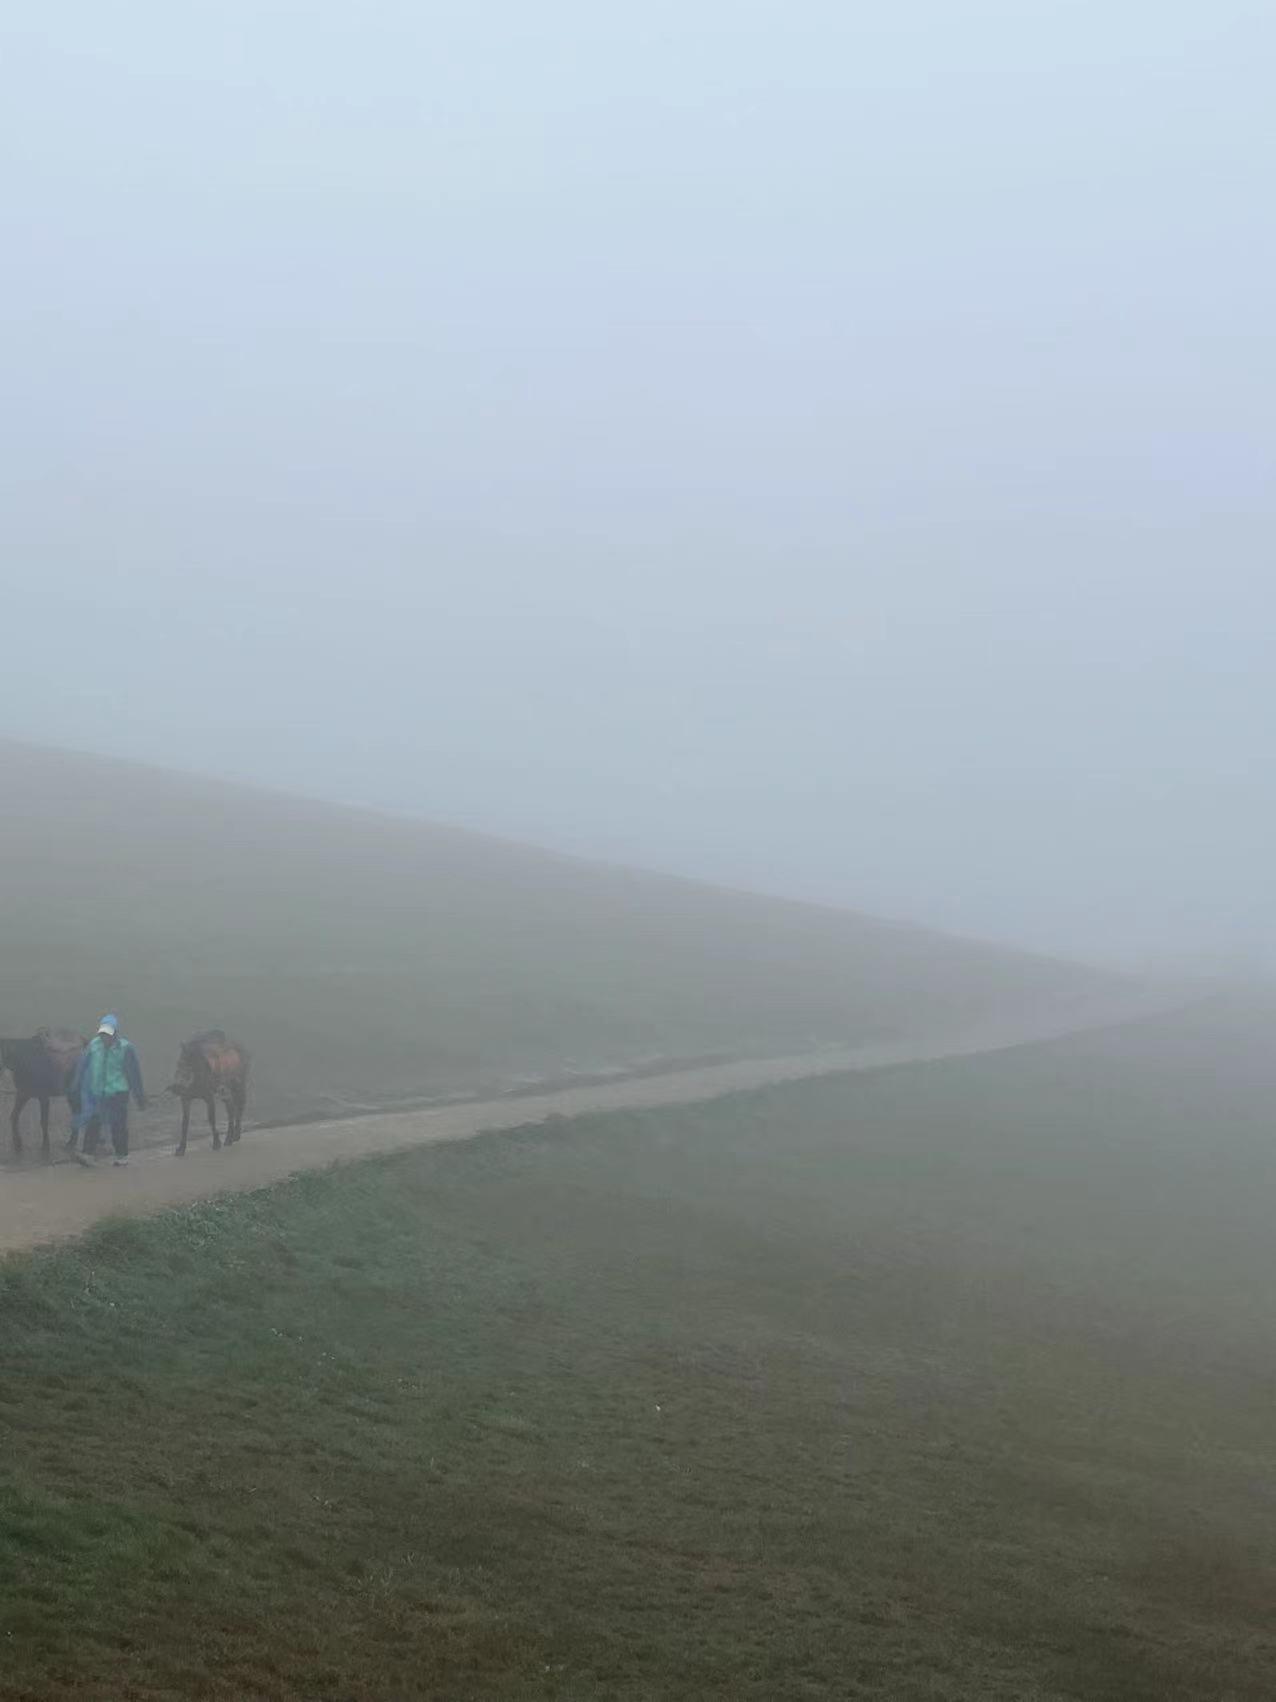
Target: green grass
<point>365,960</point>
<point>946,1382</point>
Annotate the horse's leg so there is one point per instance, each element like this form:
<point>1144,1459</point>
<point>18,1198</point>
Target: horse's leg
<point>212,1122</point>
<point>19,1101</point>
<point>186,1123</point>
<point>73,1102</point>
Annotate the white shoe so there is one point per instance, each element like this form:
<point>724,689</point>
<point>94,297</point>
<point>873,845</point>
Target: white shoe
<point>120,1163</point>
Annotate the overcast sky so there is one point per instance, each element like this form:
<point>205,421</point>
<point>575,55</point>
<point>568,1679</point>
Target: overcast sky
<point>823,447</point>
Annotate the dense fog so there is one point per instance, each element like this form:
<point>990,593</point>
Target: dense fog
<point>823,449</point>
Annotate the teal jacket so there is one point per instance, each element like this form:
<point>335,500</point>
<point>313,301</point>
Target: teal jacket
<point>104,1071</point>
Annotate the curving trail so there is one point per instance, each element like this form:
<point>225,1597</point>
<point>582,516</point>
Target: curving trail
<point>50,1204</point>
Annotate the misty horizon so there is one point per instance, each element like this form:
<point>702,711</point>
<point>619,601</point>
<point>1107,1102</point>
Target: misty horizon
<point>829,457</point>
<point>1210,963</point>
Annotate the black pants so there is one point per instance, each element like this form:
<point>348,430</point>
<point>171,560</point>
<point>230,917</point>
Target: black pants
<point>115,1112</point>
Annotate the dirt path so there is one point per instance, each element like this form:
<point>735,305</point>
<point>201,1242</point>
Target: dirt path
<point>64,1200</point>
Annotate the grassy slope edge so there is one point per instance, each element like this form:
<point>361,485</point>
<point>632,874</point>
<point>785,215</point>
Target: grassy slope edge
<point>366,959</point>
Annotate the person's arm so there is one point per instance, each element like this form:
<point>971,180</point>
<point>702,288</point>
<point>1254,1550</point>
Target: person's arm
<point>133,1073</point>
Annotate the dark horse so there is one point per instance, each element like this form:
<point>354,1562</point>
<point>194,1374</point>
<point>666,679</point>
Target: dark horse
<point>211,1067</point>
<point>43,1068</point>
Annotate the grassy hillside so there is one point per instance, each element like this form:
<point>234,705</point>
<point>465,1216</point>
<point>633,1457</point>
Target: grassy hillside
<point>947,1382</point>
<point>366,959</point>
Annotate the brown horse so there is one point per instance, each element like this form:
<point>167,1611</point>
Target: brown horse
<point>211,1067</point>
<point>43,1068</point>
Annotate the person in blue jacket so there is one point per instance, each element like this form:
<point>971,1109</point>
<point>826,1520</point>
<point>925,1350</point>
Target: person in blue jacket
<point>108,1072</point>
